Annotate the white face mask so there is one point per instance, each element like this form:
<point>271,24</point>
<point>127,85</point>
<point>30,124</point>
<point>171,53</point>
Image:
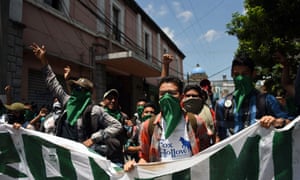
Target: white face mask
<point>193,105</point>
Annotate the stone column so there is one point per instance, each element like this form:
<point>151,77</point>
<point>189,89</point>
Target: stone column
<point>99,81</point>
<point>4,16</point>
<point>15,58</point>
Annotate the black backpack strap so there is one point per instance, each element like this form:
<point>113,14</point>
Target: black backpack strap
<point>228,108</point>
<point>261,106</point>
<point>151,126</point>
<point>88,124</point>
<point>193,121</point>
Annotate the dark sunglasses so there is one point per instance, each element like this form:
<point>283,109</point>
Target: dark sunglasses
<point>111,97</point>
<point>191,95</point>
<point>78,88</point>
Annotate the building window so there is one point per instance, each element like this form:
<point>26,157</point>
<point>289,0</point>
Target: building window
<point>117,18</point>
<point>116,24</point>
<point>165,49</point>
<point>56,4</point>
<point>101,14</point>
<point>59,5</point>
<point>178,63</point>
<point>147,44</point>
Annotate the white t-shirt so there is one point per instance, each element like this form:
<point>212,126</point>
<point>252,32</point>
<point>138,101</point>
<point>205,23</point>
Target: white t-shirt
<point>177,146</point>
<point>3,118</point>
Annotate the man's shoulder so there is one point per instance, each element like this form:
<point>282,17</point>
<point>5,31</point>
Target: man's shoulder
<point>206,112</point>
<point>94,109</point>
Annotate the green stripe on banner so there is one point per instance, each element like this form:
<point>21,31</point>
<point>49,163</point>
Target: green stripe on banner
<point>35,158</point>
<point>182,175</point>
<point>282,155</point>
<point>8,155</point>
<point>98,173</point>
<point>225,165</point>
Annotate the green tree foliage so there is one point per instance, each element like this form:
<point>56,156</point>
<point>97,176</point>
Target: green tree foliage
<point>267,27</point>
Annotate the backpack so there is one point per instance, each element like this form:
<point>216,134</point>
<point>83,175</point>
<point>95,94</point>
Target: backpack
<point>88,125</point>
<point>92,126</point>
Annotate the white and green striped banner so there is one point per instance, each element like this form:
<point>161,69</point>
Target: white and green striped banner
<point>254,153</point>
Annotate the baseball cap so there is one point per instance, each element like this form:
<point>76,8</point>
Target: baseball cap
<point>17,106</point>
<point>82,82</point>
<point>109,92</point>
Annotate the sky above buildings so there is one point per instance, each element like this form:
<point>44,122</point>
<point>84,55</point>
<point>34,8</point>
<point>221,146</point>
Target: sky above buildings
<point>198,28</point>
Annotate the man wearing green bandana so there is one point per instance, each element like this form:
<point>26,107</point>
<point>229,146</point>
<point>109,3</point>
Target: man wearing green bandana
<point>112,107</point>
<point>172,136</point>
<point>132,146</point>
<point>81,120</point>
<point>246,104</point>
<point>137,116</point>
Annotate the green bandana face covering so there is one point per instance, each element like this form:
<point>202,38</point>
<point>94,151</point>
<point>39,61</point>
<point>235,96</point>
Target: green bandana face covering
<point>77,104</point>
<point>140,110</point>
<point>171,112</point>
<point>146,117</point>
<point>243,86</point>
<point>114,113</point>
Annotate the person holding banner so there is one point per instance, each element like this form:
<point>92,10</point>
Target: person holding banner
<point>246,104</point>
<point>172,134</point>
<point>195,101</point>
<point>81,120</point>
<point>132,146</point>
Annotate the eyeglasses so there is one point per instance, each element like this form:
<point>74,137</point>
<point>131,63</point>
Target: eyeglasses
<point>78,88</point>
<point>191,95</point>
<point>149,112</point>
<point>111,97</point>
<point>171,92</point>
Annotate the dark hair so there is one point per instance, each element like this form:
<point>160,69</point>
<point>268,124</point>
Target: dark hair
<point>172,79</point>
<point>142,99</point>
<point>243,60</point>
<point>150,104</point>
<point>204,82</point>
<point>197,88</point>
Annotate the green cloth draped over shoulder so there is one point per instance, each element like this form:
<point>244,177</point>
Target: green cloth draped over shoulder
<point>114,113</point>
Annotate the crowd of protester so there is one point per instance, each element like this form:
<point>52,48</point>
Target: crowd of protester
<point>186,122</point>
